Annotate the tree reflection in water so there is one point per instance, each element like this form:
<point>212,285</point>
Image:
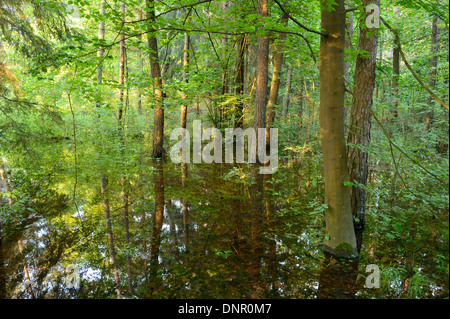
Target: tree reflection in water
<point>195,231</point>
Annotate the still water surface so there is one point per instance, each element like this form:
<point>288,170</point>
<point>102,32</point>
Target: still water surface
<point>198,231</point>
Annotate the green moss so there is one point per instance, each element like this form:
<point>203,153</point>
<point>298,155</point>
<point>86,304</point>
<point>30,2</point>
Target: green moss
<point>345,250</point>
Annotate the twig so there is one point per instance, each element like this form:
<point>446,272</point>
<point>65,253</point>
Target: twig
<point>391,143</point>
<point>304,38</point>
<point>296,21</point>
<point>397,40</point>
<point>173,9</point>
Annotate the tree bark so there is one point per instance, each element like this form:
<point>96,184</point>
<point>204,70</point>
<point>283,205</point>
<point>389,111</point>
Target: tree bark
<point>432,70</point>
<point>158,219</point>
<point>275,84</point>
<point>109,233</point>
<point>360,118</point>
<point>126,227</point>
<point>158,127</point>
<point>338,216</point>
<point>348,46</point>
<point>141,66</point>
<point>240,73</point>
<point>185,78</point>
<point>286,99</point>
<point>121,67</point>
<point>101,36</point>
<point>396,75</point>
<point>262,72</point>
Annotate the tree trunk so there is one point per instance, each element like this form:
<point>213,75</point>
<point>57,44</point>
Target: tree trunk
<point>348,46</point>
<point>240,73</point>
<point>432,70</point>
<point>101,36</point>
<point>157,225</point>
<point>185,78</point>
<point>121,67</point>
<point>104,179</point>
<point>396,75</point>
<point>126,226</point>
<point>224,114</point>
<point>262,73</point>
<point>338,215</point>
<point>109,232</point>
<point>141,66</point>
<point>275,84</point>
<point>286,99</point>
<point>158,128</point>
<point>360,118</point>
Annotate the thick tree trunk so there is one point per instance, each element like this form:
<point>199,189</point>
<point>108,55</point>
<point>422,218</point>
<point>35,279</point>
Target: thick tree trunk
<point>360,119</point>
<point>432,70</point>
<point>158,127</point>
<point>338,216</point>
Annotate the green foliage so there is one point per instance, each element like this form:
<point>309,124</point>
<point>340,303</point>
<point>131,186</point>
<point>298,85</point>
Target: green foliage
<point>57,148</point>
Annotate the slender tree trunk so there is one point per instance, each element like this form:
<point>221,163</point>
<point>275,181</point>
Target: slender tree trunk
<point>286,99</point>
<point>272,243</point>
<point>396,75</point>
<point>157,226</point>
<point>257,231</point>
<point>109,232</point>
<point>338,215</point>
<point>275,84</point>
<point>101,36</point>
<point>360,118</point>
<point>185,210</point>
<point>104,179</point>
<point>158,128</point>
<point>432,70</point>
<point>262,68</point>
<point>141,66</point>
<point>121,67</point>
<point>185,78</point>
<point>396,69</point>
<point>240,89</point>
<point>126,226</point>
<point>224,114</point>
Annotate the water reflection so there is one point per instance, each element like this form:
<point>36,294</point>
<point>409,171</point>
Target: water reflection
<point>194,231</point>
